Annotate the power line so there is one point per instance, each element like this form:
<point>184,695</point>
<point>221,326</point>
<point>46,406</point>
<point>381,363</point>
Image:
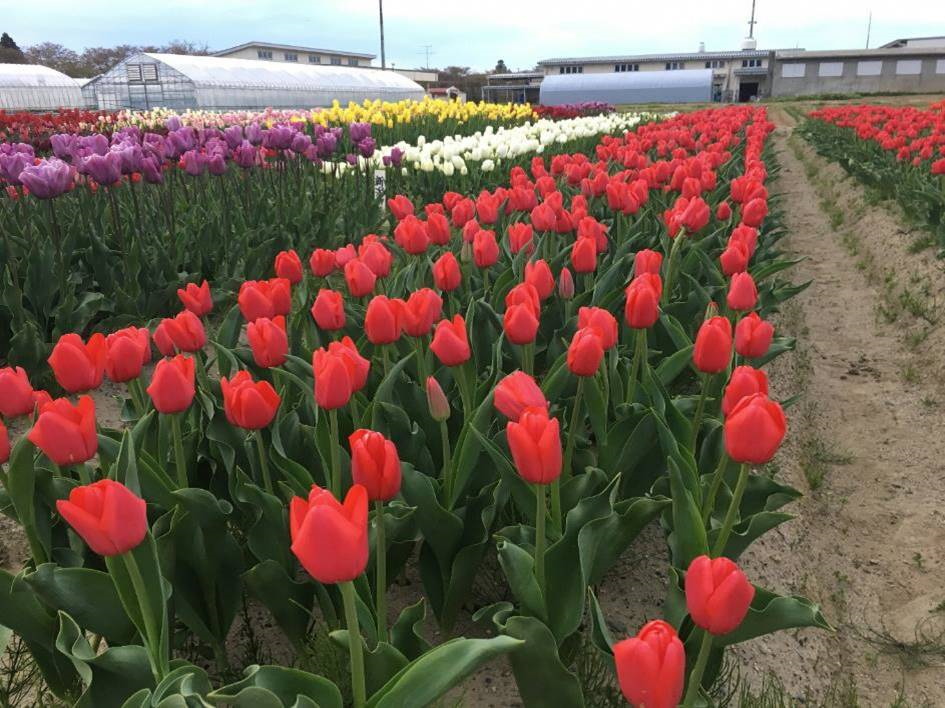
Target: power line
<point>427,51</point>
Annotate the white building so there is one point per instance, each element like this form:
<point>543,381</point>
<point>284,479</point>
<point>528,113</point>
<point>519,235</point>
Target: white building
<point>266,51</point>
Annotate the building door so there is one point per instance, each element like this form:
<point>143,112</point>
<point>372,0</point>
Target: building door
<point>747,91</point>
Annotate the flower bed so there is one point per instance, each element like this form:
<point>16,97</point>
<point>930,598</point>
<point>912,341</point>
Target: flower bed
<point>531,374</point>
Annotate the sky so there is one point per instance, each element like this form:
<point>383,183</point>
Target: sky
<point>475,33</point>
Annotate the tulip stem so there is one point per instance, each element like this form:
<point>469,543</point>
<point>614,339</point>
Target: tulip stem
<point>263,461</point>
<point>733,506</point>
<point>540,536</point>
<point>704,380</point>
<point>179,450</point>
<point>639,357</point>
<point>708,505</point>
<point>556,512</point>
<point>354,643</point>
<point>695,678</point>
<point>528,358</point>
<point>671,266</point>
<point>334,483</point>
<point>152,634</point>
<point>136,397</point>
<point>447,463</point>
<point>381,568</point>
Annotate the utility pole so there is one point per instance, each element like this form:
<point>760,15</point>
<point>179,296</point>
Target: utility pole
<point>751,22</point>
<point>869,26</point>
<point>427,51</point>
<point>380,12</point>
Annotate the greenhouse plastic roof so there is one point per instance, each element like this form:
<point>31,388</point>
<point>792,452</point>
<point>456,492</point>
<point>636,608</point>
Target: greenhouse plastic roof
<point>220,71</point>
<point>33,76</point>
<point>686,85</point>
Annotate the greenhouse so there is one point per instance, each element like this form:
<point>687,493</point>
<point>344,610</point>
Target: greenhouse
<point>30,87</point>
<point>682,86</point>
<point>146,80</point>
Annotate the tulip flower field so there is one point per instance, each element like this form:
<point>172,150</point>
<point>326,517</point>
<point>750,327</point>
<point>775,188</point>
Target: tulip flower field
<point>898,150</point>
<point>332,380</point>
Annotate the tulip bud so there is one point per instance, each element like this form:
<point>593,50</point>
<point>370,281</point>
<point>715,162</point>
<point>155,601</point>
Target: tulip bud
<point>108,516</point>
<point>65,433</point>
<point>172,385</point>
<point>79,366</point>
<point>436,400</point>
<point>288,265</point>
<point>447,275</point>
<point>742,293</point>
<point>718,594</point>
<point>585,352</point>
<point>328,310</point>
<point>651,667</point>
<point>249,404</point>
<point>330,539</point>
<point>713,348</point>
<point>451,342</point>
<point>535,443</point>
<point>600,320</point>
<point>16,392</point>
<point>268,341</point>
<point>375,464</point>
<point>745,381</point>
<point>565,284</point>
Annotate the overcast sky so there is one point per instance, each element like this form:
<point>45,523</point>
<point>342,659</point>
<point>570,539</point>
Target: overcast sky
<point>474,33</point>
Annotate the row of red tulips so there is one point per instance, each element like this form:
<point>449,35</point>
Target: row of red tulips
<point>644,439</point>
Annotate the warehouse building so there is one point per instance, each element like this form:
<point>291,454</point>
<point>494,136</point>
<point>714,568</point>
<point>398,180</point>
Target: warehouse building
<point>264,51</point>
<point>148,80</point>
<point>30,87</point>
<point>626,88</point>
<point>513,87</point>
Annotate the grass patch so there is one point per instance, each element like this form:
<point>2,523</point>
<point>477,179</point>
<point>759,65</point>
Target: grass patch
<point>817,457</point>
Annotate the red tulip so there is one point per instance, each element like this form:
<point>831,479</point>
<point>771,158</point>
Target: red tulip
<point>358,366</point>
<point>66,433</point>
<point>436,400</point>
<point>544,218</point>
<point>264,298</point>
<point>718,594</point>
<point>328,310</point>
<point>447,275</point>
<point>584,256</point>
<point>713,348</point>
<point>742,293</point>
<point>651,667</point>
<point>565,284</point>
<point>538,274</point>
<point>40,399</point>
<point>461,212</point>
<point>288,265</point>
<point>109,517</point>
<point>183,333</point>
<point>647,261</point>
<point>268,341</point>
<point>754,429</point>
<point>485,249</point>
<point>359,277</point>
<point>516,392</point>
<point>340,371</point>
<point>382,320</point>
<point>745,381</point>
<point>520,324</point>
<point>196,298</point>
<point>754,212</point>
<point>4,444</point>
<point>376,256</point>
<point>535,443</point>
<point>642,307</point>
<point>753,336</point>
<point>723,212</point>
<point>420,311</point>
<point>330,539</point>
<point>172,385</point>
<point>695,215</point>
<point>524,294</point>
<point>79,366</point>
<point>734,258</point>
<point>400,206</point>
<point>411,235</point>
<point>487,208</point>
<point>451,342</point>
<point>249,404</point>
<point>586,352</point>
<point>600,320</point>
<point>344,254</point>
<point>521,235</point>
<point>375,464</point>
<point>16,392</point>
<point>746,236</point>
<point>438,229</point>
<point>322,262</point>
<point>128,350</point>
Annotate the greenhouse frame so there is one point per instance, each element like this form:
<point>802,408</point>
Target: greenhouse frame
<point>179,82</point>
<point>31,87</point>
<point>677,86</point>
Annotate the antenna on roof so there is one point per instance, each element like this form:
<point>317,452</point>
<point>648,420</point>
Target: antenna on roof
<point>869,26</point>
<point>751,22</point>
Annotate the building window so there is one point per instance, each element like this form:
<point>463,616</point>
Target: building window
<point>715,64</point>
<point>869,68</point>
<point>571,70</point>
<point>830,68</point>
<point>627,67</point>
<point>264,53</point>
<point>336,61</point>
<point>908,67</point>
<point>352,62</point>
<point>751,63</point>
<point>674,65</point>
<point>290,56</point>
<point>314,59</point>
<point>794,70</point>
<point>149,72</point>
<point>940,66</point>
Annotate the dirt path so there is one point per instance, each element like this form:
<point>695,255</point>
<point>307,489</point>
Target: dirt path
<point>867,445</point>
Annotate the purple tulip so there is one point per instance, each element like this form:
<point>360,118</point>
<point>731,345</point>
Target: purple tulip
<point>233,136</point>
<point>367,146</point>
<point>155,145</point>
<point>301,142</point>
<point>48,179</point>
<point>254,134</point>
<point>63,145</point>
<point>131,156</point>
<point>359,131</point>
<point>12,164</point>
<point>151,170</point>
<point>326,145</point>
<point>245,155</point>
<point>195,163</point>
<point>396,157</point>
<point>95,144</point>
<point>351,159</point>
<point>104,169</point>
<point>216,164</point>
<point>13,148</point>
<point>173,123</point>
<point>279,137</point>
